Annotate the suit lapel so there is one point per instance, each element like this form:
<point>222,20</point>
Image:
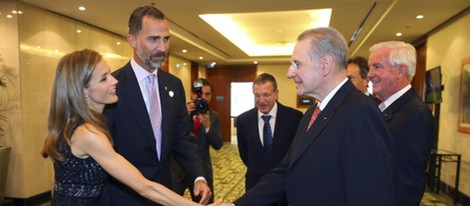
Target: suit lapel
<point>164,92</point>
<point>396,105</point>
<point>306,138</point>
<point>135,101</point>
<point>256,128</point>
<point>278,128</point>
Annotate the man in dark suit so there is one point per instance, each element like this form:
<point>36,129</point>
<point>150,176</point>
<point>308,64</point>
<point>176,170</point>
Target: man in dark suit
<point>392,67</point>
<point>284,121</point>
<point>149,126</point>
<point>357,73</point>
<point>206,129</point>
<point>345,156</point>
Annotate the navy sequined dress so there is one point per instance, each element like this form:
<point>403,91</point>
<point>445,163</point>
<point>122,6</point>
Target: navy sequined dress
<point>78,182</point>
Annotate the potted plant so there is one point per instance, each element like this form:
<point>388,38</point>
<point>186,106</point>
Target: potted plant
<point>4,150</point>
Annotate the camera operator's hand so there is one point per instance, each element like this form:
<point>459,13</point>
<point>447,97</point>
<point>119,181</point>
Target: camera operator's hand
<point>205,119</point>
<point>190,106</point>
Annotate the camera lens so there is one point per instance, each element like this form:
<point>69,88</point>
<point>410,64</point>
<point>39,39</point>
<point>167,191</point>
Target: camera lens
<point>201,105</point>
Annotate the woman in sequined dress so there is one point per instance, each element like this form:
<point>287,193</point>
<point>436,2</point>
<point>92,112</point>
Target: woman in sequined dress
<point>78,141</point>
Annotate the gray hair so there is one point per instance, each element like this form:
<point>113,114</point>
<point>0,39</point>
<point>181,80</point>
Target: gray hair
<point>327,40</point>
<point>401,53</point>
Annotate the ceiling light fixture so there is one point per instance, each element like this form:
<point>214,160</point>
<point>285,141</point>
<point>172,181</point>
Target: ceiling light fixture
<point>398,34</point>
<point>211,64</point>
<point>245,30</point>
<point>184,51</point>
<point>419,17</point>
<point>81,8</point>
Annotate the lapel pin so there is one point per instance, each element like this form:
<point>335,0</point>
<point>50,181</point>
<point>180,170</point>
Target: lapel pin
<point>171,93</point>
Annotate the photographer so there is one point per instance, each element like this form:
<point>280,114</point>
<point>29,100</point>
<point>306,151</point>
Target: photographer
<point>206,130</point>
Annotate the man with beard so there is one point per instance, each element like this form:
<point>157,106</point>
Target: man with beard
<point>150,122</point>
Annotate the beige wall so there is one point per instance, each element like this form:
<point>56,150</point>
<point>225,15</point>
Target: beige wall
<point>447,47</point>
<point>182,69</point>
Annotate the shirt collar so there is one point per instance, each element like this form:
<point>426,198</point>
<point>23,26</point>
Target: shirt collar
<point>395,96</point>
<point>139,71</point>
<point>330,95</point>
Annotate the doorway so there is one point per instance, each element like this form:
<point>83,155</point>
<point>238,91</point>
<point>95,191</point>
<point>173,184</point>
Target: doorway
<point>221,77</point>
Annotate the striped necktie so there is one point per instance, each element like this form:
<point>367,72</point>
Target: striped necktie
<point>267,133</point>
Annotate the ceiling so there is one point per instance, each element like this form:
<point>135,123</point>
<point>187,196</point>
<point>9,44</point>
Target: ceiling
<point>376,21</point>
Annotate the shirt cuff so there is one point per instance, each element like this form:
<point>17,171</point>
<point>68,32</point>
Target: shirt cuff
<point>200,178</point>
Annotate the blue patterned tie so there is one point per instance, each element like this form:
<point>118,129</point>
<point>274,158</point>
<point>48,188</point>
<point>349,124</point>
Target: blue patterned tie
<point>267,133</point>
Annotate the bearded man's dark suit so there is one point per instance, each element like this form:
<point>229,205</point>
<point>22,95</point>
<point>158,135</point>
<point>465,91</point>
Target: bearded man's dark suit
<point>345,158</point>
<point>133,138</point>
<point>256,159</point>
<point>213,138</point>
<point>412,127</point>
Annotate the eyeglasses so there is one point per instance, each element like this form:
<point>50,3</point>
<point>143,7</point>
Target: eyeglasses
<point>295,64</point>
<point>265,95</point>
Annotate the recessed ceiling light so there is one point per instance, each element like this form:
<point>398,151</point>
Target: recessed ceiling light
<point>9,16</point>
<point>79,31</point>
<point>118,43</point>
<point>255,62</point>
<point>245,29</point>
<point>201,58</point>
<point>184,50</point>
<point>398,34</point>
<point>81,8</point>
<point>420,17</point>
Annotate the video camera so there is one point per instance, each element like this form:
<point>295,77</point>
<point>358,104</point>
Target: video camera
<point>202,106</point>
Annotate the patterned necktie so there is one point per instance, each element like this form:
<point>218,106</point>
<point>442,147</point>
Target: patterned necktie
<point>196,125</point>
<point>314,116</point>
<point>155,115</point>
<point>267,133</point>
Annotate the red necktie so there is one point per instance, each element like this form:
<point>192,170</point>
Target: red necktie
<point>314,116</point>
<point>196,125</point>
